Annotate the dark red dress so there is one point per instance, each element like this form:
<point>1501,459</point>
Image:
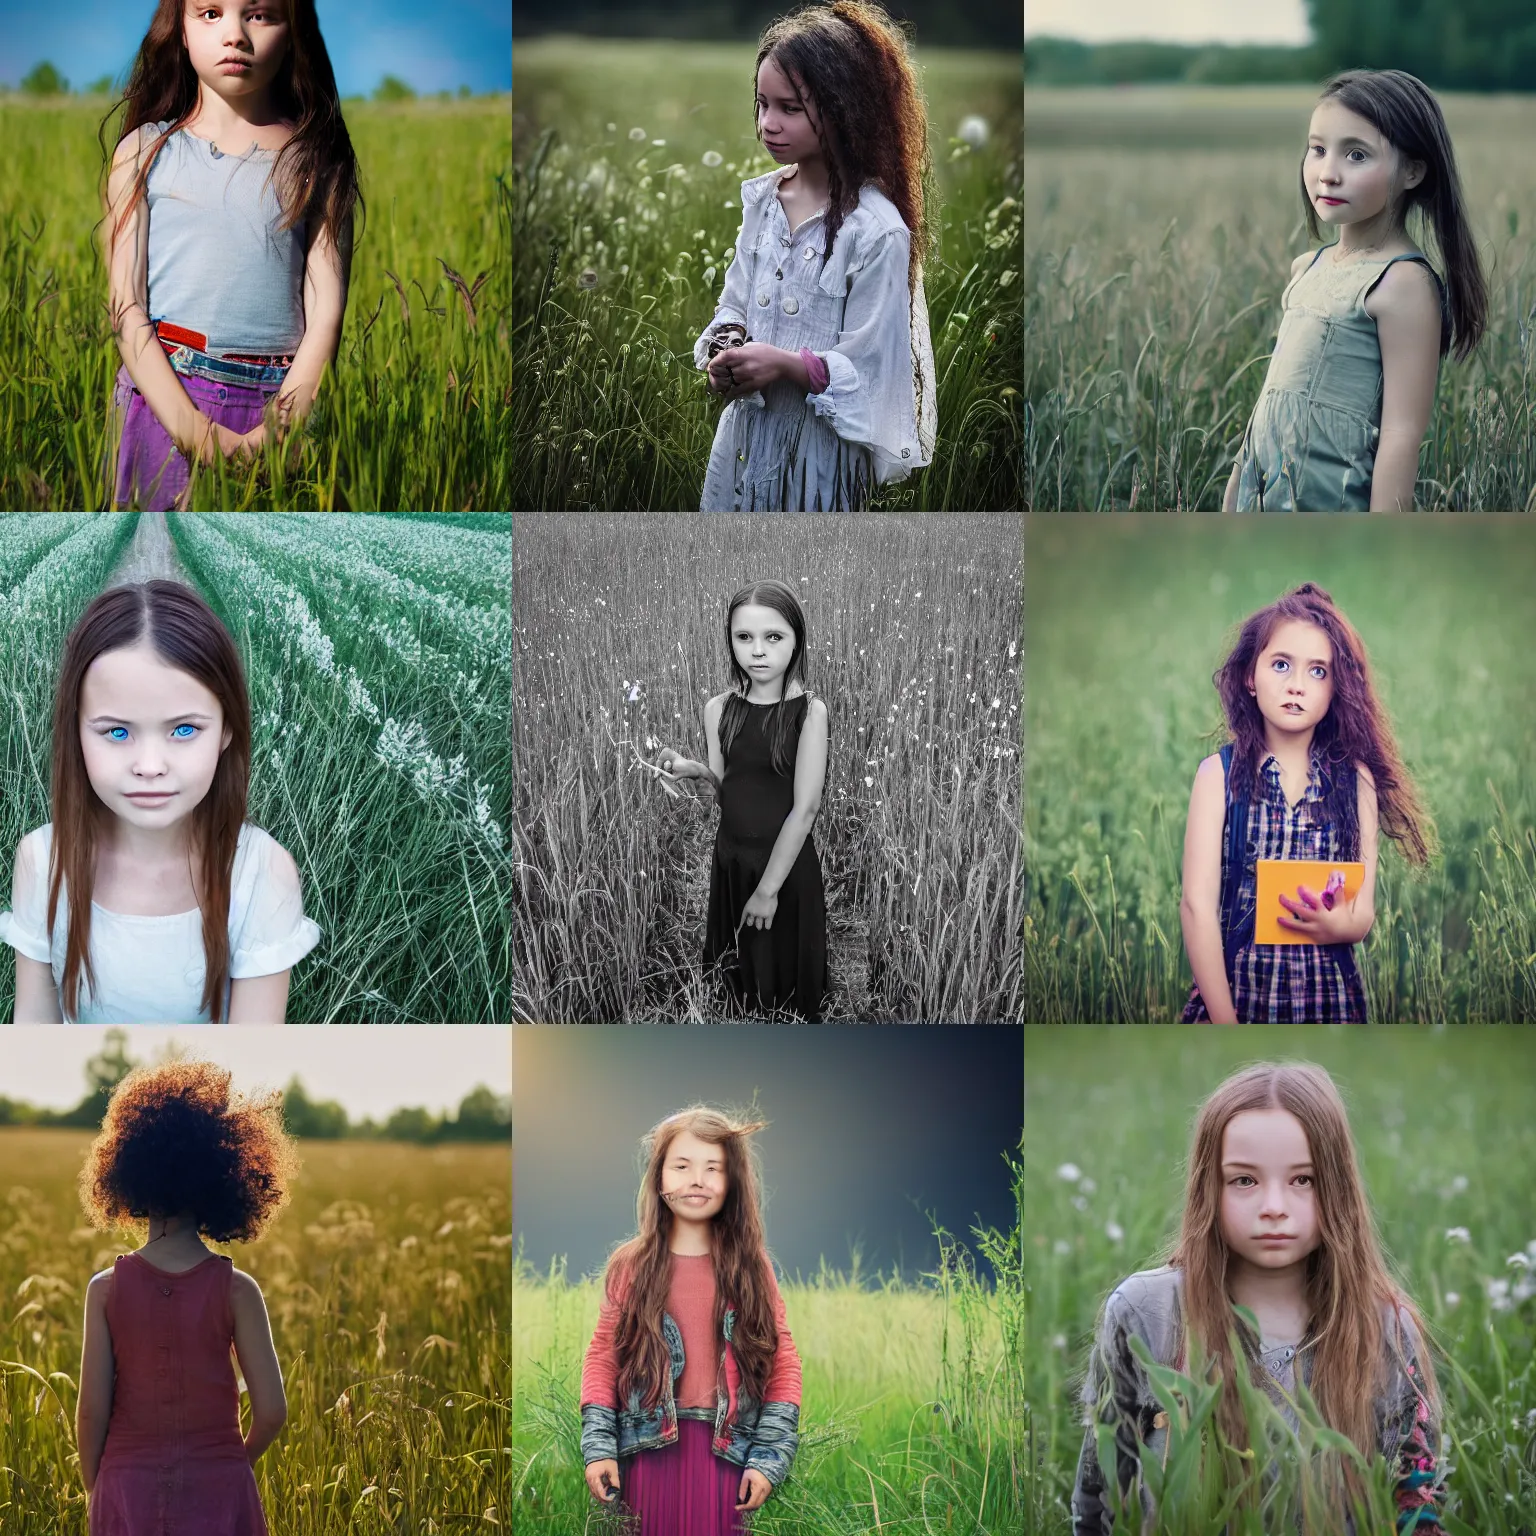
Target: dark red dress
<point>174,1462</point>
<point>786,966</point>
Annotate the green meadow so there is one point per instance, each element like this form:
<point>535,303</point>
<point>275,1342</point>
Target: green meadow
<point>612,180</point>
<point>416,414</point>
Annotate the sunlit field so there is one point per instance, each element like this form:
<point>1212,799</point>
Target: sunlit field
<point>913,642</point>
<point>417,414</point>
<point>386,1283</point>
<point>629,163</point>
<point>911,1410</point>
<point>1125,623</point>
<point>1160,227</point>
<point>1104,1185</point>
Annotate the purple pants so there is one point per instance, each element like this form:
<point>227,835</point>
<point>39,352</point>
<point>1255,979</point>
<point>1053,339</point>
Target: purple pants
<point>682,1489</point>
<point>148,461</point>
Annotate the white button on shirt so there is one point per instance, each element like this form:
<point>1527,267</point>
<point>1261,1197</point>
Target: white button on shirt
<point>783,447</point>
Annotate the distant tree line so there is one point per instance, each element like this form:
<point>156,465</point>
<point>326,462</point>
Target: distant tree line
<point>937,23</point>
<point>482,1115</point>
<point>45,80</point>
<point>1470,45</point>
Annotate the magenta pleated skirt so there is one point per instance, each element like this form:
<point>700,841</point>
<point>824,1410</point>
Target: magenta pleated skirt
<point>683,1489</point>
<point>149,462</point>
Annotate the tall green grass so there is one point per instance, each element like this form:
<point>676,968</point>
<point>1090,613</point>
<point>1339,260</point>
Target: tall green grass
<point>417,411</point>
<point>1161,226</point>
<point>611,414</point>
<point>911,1414</point>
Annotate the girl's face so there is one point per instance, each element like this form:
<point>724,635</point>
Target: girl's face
<point>1268,1189</point>
<point>764,644</point>
<point>1350,166</point>
<point>1292,680</point>
<point>693,1181</point>
<point>253,30</point>
<point>783,117</point>
<point>147,728</point>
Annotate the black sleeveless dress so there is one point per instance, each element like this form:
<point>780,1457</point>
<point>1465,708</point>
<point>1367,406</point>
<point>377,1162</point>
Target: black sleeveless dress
<point>786,966</point>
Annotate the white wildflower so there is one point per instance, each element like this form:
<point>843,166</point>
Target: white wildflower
<point>1457,1235</point>
<point>1069,1172</point>
<point>1114,1231</point>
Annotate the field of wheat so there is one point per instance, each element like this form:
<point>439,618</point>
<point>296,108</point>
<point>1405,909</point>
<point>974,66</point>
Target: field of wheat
<point>418,410</point>
<point>913,642</point>
<point>629,163</point>
<point>1160,225</point>
<point>386,1283</point>
<point>1442,1120</point>
<point>377,651</point>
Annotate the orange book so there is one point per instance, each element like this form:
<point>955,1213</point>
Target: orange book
<point>1281,877</point>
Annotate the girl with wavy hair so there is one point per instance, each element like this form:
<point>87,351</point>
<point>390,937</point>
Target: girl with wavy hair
<point>832,393</point>
<point>690,1390</point>
<point>1312,772</point>
<point>182,1158</point>
<point>1275,1220</point>
<point>149,885</point>
<point>229,246</point>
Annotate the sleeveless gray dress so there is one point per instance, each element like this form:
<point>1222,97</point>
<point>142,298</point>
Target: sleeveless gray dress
<point>1311,442</point>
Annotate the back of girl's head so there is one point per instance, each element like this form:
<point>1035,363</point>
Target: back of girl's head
<point>316,171</point>
<point>1404,111</point>
<point>1356,728</point>
<point>185,633</point>
<point>855,64</point>
<point>781,598</point>
<point>176,1139</point>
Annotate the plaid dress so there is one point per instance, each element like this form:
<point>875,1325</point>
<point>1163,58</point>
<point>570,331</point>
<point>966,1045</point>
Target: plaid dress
<point>1284,983</point>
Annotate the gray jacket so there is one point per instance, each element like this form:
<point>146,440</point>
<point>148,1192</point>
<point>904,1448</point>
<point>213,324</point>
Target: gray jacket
<point>1117,1392</point>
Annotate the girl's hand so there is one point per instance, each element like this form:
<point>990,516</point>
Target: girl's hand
<point>754,1490</point>
<point>601,1477</point>
<point>1317,922</point>
<point>759,911</point>
<point>676,764</point>
<point>211,442</point>
<point>751,367</point>
<point>275,430</point>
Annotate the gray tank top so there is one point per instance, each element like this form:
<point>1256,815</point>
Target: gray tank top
<point>216,261</point>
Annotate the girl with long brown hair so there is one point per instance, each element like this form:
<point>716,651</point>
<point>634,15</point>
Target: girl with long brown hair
<point>832,393</point>
<point>690,1390</point>
<point>1275,1220</point>
<point>1312,772</point>
<point>149,898</point>
<point>228,243</point>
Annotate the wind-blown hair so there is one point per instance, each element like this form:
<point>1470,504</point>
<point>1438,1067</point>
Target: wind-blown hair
<point>175,1138</point>
<point>185,633</point>
<point>855,65</point>
<point>1348,1284</point>
<point>779,597</point>
<point>317,171</point>
<point>1404,111</point>
<point>1355,729</point>
<point>740,1260</point>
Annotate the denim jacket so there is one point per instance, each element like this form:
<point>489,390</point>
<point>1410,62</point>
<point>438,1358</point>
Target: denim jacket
<point>762,1436</point>
<point>1117,1392</point>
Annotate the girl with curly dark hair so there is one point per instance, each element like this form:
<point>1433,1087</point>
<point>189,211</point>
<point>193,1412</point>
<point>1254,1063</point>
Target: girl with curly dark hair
<point>1311,772</point>
<point>158,1424</point>
<point>149,885</point>
<point>690,1391</point>
<point>833,392</point>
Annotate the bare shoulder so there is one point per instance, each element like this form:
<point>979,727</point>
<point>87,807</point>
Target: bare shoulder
<point>715,705</point>
<point>817,709</point>
<point>1210,767</point>
<point>1300,262</point>
<point>1407,289</point>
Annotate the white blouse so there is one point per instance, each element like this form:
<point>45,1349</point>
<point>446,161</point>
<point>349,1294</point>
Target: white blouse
<point>782,448</point>
<point>151,970</point>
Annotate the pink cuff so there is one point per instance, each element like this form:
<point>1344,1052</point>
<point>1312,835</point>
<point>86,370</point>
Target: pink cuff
<point>816,367</point>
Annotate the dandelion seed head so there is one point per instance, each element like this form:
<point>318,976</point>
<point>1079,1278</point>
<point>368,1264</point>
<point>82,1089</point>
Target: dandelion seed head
<point>637,134</point>
<point>711,158</point>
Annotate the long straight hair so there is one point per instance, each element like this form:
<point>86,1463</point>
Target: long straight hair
<point>185,633</point>
<point>1404,111</point>
<point>1348,1284</point>
<point>320,178</point>
<point>640,1270</point>
<point>779,597</point>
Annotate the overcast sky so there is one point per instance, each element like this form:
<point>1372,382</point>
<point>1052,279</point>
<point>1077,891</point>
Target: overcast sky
<point>871,1126</point>
<point>1170,21</point>
<point>431,47</point>
<point>369,1070</point>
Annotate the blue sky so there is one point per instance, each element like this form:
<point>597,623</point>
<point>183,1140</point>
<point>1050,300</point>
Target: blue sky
<point>431,47</point>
